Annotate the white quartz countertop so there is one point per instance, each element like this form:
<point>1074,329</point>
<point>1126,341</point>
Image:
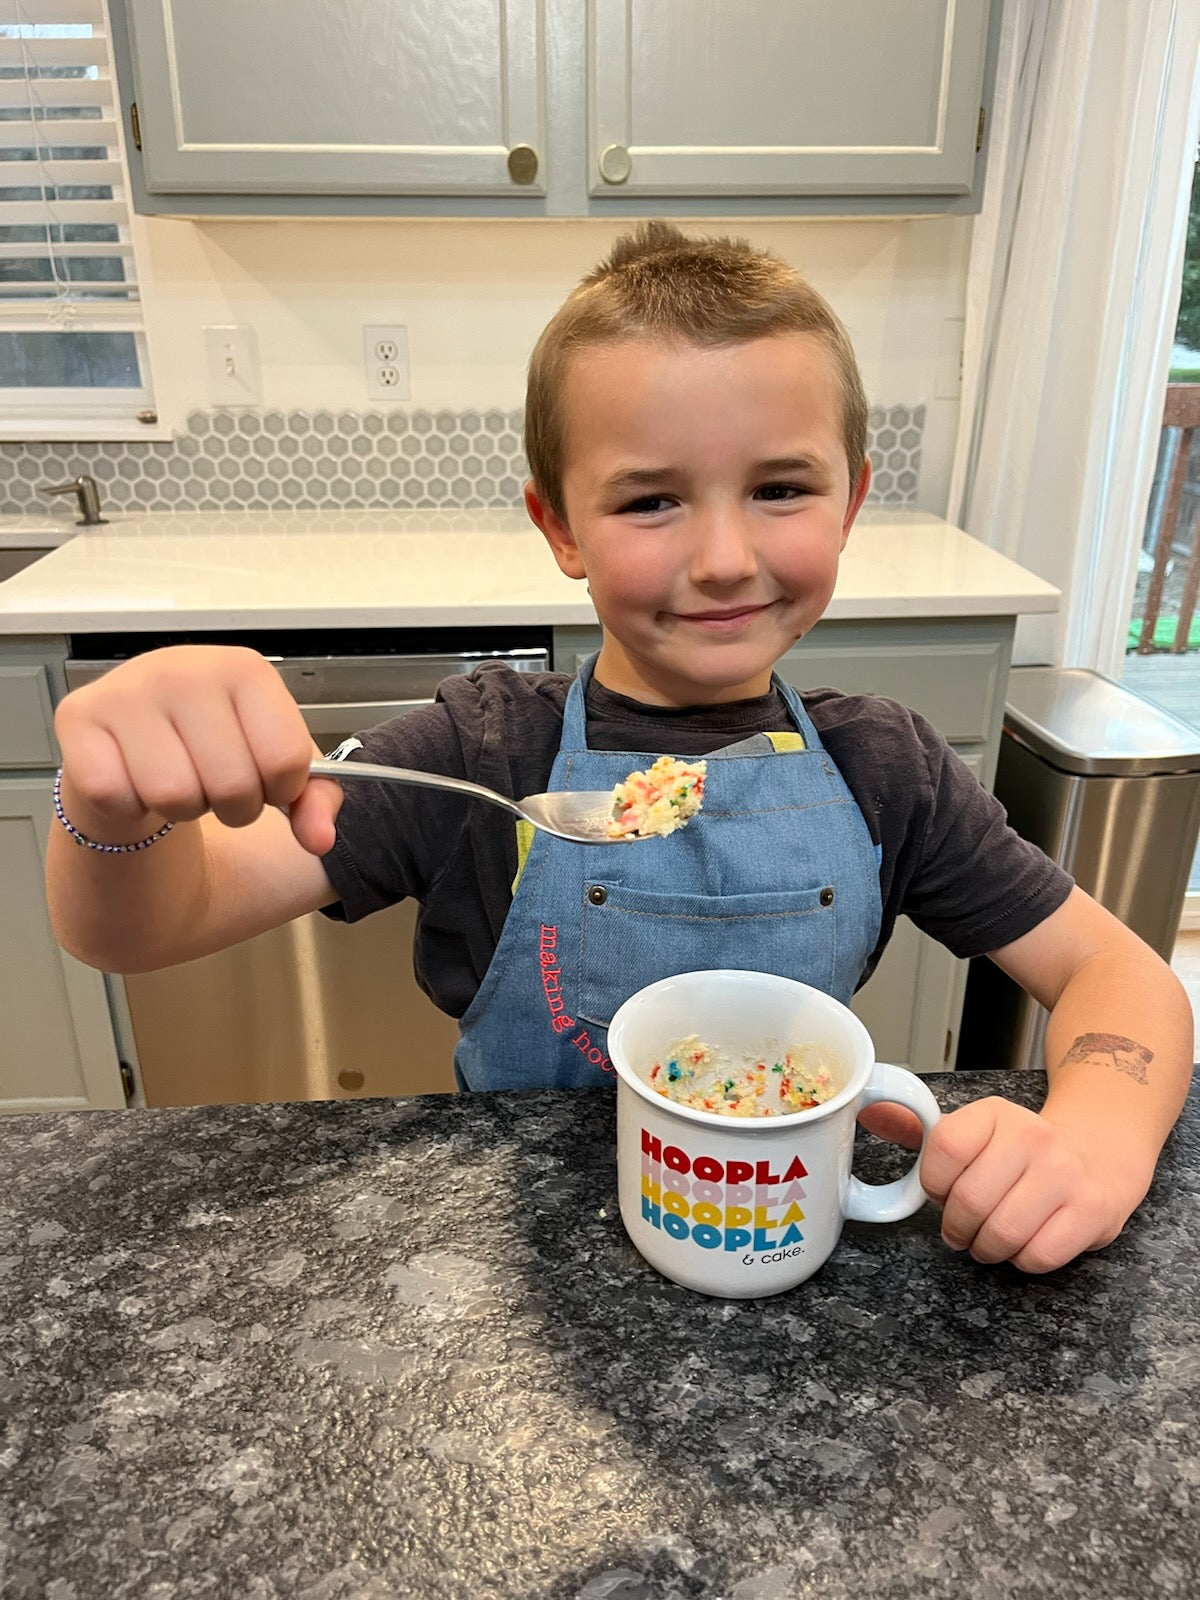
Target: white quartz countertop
<point>313,569</point>
<point>18,532</point>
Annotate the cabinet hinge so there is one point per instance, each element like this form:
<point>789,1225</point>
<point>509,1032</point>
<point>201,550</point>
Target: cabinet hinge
<point>949,1044</point>
<point>135,124</point>
<point>128,1083</point>
<point>978,131</point>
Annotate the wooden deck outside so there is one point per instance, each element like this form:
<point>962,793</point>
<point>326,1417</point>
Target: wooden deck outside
<point>1163,668</point>
<point>1167,604</point>
<point>1173,538</point>
<point>1171,681</point>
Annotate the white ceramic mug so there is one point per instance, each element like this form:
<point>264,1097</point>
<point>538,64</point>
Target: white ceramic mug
<point>746,1206</point>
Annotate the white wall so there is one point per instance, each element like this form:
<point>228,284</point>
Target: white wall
<point>475,294</point>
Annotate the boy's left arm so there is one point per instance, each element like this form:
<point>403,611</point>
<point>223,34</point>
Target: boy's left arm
<point>1038,1188</point>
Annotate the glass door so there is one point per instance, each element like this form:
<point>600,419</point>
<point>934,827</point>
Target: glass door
<point>1162,659</point>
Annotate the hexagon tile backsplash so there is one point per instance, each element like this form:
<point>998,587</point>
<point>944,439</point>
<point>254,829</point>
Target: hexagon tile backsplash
<point>313,460</point>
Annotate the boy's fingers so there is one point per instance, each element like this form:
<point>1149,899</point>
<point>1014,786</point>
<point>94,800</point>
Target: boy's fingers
<point>1009,1227</point>
<point>1063,1236</point>
<point>275,731</point>
<point>1067,1233</point>
<point>313,815</point>
<point>228,772</point>
<point>95,776</point>
<point>977,1197</point>
<point>160,775</point>
<point>958,1140</point>
<point>895,1123</point>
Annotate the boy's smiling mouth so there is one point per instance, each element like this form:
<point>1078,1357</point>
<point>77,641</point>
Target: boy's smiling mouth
<point>725,618</point>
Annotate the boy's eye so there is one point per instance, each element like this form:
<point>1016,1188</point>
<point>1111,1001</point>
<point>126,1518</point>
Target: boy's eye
<point>645,505</point>
<point>780,491</point>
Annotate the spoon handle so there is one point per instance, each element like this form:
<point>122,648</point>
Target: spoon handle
<point>340,770</point>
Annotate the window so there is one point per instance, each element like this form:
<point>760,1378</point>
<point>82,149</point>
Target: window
<point>72,350</point>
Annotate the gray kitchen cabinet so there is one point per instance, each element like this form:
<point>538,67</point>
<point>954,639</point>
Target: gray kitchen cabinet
<point>775,98</point>
<point>953,672</point>
<point>301,97</point>
<point>553,108</point>
<point>59,1051</point>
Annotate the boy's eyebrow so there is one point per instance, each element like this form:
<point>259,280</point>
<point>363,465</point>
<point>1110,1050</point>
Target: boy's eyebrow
<point>654,477</point>
<point>793,464</point>
<point>640,478</point>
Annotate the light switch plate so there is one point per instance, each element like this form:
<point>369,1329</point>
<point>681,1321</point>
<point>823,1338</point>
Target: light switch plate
<point>385,362</point>
<point>234,373</point>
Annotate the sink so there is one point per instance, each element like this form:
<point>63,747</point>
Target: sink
<point>26,539</point>
<point>15,558</point>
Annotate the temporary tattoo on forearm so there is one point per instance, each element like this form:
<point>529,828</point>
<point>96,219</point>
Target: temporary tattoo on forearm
<point>1110,1049</point>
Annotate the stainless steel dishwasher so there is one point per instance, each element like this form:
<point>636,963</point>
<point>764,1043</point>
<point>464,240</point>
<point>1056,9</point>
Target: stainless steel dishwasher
<point>315,1010</point>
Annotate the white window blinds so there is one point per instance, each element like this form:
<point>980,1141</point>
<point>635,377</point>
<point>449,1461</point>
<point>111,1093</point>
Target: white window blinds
<point>70,316</point>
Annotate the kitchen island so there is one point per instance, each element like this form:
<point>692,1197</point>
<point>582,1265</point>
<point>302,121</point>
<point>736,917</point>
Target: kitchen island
<point>454,568</point>
<point>921,612</point>
<point>403,1350</point>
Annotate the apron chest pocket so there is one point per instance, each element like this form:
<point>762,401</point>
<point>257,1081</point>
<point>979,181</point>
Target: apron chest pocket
<point>630,938</point>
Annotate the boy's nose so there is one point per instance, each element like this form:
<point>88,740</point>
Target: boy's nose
<point>724,551</point>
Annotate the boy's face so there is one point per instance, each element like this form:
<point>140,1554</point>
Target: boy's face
<point>707,500</point>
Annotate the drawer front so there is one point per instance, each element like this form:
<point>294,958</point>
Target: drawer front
<point>26,718</point>
<point>956,683</point>
<point>956,686</point>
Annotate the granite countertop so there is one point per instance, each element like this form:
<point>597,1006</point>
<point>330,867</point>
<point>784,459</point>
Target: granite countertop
<point>248,569</point>
<point>382,1350</point>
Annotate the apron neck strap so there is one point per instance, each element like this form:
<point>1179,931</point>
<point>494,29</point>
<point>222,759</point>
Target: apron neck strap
<point>574,729</point>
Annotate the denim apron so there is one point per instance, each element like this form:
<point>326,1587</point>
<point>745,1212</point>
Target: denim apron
<point>776,873</point>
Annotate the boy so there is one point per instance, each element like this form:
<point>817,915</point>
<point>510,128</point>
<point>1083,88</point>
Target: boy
<point>696,436</point>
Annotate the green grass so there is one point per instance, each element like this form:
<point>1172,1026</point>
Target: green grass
<point>1184,375</point>
<point>1164,633</point>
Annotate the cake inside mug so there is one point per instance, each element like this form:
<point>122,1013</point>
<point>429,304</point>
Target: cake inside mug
<point>755,1083</point>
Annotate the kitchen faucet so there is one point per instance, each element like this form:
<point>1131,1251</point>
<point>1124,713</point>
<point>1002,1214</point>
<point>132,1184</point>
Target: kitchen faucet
<point>89,498</point>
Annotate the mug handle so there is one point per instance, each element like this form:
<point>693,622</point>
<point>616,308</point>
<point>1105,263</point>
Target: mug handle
<point>889,1202</point>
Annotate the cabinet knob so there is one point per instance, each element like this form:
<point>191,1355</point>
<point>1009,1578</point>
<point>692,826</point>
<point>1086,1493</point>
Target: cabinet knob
<point>615,164</point>
<point>522,163</point>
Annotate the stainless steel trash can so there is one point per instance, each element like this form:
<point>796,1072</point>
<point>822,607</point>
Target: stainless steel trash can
<point>1108,785</point>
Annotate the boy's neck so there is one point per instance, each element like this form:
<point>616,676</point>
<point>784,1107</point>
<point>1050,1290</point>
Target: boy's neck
<point>676,692</point>
<point>610,702</point>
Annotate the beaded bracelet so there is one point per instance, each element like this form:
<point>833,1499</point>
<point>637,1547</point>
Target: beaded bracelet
<point>90,844</point>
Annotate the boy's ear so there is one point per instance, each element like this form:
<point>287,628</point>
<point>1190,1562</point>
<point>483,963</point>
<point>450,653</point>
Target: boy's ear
<point>856,499</point>
<point>557,534</point>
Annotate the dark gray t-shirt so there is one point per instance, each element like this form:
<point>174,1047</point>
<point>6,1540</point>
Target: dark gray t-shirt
<point>949,860</point>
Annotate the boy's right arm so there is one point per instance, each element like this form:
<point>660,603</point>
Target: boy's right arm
<point>208,738</point>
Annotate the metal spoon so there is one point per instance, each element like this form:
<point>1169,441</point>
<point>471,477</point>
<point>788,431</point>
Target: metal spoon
<point>582,817</point>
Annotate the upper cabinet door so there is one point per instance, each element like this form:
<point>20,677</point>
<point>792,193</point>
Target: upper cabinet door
<point>305,97</point>
<point>784,97</point>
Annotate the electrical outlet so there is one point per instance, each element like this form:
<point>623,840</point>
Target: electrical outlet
<point>385,359</point>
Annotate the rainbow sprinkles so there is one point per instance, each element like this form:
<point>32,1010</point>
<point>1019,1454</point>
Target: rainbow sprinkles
<point>765,1084</point>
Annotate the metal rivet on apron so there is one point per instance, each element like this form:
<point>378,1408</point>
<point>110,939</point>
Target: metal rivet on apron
<point>826,897</point>
<point>597,894</point>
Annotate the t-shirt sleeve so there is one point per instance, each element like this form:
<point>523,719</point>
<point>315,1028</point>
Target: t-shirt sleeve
<point>948,858</point>
<point>974,883</point>
<point>393,839</point>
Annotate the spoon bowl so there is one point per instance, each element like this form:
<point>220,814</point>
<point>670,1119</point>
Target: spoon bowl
<point>581,816</point>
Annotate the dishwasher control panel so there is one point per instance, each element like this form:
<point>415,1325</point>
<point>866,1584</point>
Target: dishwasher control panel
<point>386,669</point>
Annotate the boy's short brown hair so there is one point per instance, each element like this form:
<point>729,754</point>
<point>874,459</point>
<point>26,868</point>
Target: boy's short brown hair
<point>661,284</point>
